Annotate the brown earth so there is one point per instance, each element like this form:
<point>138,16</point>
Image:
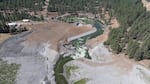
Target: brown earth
<point>53,32</point>
<point>146,4</point>
<point>145,63</point>
<point>99,39</point>
<point>114,23</point>
<point>79,30</point>
<point>3,37</point>
<point>120,61</point>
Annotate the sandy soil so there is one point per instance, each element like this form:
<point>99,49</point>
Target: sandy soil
<point>114,23</point>
<point>4,37</point>
<point>146,4</point>
<point>89,15</point>
<point>107,74</point>
<point>99,39</point>
<point>53,32</point>
<point>145,63</point>
<point>102,38</point>
<point>79,30</point>
<point>101,57</point>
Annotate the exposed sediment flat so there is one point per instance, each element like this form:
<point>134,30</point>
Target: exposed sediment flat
<point>105,68</point>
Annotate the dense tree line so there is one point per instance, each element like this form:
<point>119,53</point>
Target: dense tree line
<point>22,4</point>
<point>132,37</point>
<point>72,5</point>
<point>18,9</point>
<point>3,27</point>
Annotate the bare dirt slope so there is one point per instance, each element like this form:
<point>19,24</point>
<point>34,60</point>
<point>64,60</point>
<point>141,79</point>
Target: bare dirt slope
<point>4,37</point>
<point>52,32</point>
<point>146,4</point>
<point>114,23</point>
<point>99,39</point>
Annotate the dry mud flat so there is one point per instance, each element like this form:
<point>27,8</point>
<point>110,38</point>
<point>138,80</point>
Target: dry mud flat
<point>35,51</point>
<point>105,68</point>
<point>32,69</point>
<point>36,60</point>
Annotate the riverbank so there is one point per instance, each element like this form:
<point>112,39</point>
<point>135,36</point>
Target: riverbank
<point>35,51</point>
<point>106,67</point>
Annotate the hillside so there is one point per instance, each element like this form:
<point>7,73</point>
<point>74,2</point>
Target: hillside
<point>133,35</point>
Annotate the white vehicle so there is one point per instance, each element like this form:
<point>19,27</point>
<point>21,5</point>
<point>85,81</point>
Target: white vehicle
<point>26,20</point>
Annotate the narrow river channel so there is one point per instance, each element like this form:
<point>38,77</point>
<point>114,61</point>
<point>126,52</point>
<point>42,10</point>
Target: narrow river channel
<point>59,70</point>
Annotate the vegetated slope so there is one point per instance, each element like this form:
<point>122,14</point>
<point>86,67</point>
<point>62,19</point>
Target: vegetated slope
<point>133,35</point>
